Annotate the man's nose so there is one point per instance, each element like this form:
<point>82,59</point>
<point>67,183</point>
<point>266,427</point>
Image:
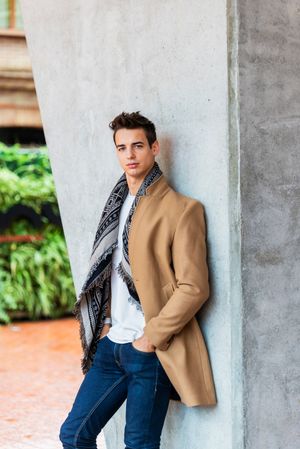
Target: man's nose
<point>130,153</point>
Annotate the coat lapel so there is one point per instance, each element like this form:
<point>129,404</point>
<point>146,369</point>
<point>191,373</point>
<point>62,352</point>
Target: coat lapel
<point>156,190</point>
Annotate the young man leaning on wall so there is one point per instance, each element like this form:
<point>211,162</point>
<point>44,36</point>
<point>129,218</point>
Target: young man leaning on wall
<point>147,278</point>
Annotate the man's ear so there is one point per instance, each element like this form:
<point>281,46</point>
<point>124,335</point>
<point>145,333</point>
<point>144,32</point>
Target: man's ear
<point>155,147</point>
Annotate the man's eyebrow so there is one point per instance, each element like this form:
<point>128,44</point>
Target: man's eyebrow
<point>133,143</point>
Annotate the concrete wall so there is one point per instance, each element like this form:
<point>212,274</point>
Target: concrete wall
<point>168,59</point>
<point>269,92</point>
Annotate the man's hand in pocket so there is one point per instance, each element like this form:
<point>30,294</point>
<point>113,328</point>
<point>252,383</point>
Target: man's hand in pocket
<point>143,344</point>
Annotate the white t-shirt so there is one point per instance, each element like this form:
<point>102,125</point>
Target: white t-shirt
<point>127,320</point>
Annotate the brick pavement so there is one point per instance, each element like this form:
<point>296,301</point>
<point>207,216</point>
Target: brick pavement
<point>39,376</point>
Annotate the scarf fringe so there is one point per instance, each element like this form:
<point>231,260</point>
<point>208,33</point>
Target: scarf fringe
<point>125,276</point>
<point>78,316</point>
<point>88,350</point>
<point>137,304</point>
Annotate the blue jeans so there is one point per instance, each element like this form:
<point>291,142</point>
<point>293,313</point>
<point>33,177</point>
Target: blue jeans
<point>119,371</point>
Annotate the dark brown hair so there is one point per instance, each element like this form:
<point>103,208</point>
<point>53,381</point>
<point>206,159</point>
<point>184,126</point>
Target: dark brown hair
<point>134,120</point>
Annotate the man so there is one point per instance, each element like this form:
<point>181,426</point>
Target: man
<point>147,278</point>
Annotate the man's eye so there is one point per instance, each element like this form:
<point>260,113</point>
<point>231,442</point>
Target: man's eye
<point>139,146</point>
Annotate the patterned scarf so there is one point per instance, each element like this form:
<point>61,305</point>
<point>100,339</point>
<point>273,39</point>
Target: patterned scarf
<point>91,306</point>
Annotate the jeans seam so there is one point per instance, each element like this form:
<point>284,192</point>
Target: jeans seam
<point>95,406</point>
<point>156,378</point>
<point>155,390</point>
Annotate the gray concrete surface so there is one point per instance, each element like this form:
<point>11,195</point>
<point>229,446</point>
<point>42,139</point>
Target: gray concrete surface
<point>269,67</point>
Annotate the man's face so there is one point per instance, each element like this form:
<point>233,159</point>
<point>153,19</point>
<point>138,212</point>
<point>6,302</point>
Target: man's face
<point>135,155</point>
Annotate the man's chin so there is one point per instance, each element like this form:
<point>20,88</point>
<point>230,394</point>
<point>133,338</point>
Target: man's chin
<point>134,172</point>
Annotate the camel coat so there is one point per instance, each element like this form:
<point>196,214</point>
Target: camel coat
<point>167,253</point>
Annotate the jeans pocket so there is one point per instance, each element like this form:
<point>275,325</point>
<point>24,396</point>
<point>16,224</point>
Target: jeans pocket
<point>147,353</point>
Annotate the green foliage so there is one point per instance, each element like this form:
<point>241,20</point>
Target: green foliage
<point>35,277</point>
<point>25,177</point>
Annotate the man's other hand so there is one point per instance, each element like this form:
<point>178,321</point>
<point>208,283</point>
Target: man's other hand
<point>105,330</point>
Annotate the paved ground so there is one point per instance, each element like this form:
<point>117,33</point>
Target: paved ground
<point>39,377</point>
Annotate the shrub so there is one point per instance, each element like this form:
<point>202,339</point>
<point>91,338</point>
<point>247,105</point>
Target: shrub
<point>35,277</point>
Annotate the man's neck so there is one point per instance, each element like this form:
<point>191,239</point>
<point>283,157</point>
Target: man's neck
<point>134,185</point>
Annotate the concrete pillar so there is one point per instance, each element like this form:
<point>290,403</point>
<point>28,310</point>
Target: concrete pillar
<point>200,71</point>
<point>269,93</point>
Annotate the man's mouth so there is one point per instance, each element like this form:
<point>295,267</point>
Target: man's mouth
<point>132,165</point>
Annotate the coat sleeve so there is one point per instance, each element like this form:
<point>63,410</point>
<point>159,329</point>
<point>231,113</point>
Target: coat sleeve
<point>191,272</point>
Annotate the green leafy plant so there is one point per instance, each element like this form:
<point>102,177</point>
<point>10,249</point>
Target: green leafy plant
<point>35,277</point>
